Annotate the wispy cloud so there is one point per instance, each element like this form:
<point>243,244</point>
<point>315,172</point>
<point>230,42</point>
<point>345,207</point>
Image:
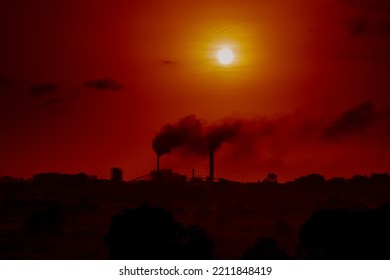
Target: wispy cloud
<point>104,84</point>
<point>168,62</point>
<point>42,89</point>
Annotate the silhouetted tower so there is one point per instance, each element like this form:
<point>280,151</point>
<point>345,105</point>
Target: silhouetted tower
<point>116,174</point>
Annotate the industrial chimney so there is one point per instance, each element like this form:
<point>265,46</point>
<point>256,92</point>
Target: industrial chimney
<point>116,174</point>
<point>211,175</point>
<point>158,166</point>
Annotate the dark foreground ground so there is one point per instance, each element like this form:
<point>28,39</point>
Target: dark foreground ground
<point>69,218</point>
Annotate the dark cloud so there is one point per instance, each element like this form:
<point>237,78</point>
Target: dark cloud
<point>4,82</point>
<point>42,89</point>
<point>352,121</point>
<point>358,26</point>
<point>370,5</point>
<point>368,17</point>
<point>104,84</point>
<point>168,62</point>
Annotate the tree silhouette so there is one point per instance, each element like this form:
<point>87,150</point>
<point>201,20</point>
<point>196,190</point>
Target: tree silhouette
<point>265,248</point>
<point>152,233</point>
<point>323,233</point>
<point>380,179</point>
<point>45,220</point>
<point>196,244</point>
<point>271,178</point>
<point>311,180</point>
<point>341,234</point>
<point>360,180</point>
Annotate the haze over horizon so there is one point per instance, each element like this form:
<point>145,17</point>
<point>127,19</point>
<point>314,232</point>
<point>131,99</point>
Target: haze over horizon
<point>87,85</point>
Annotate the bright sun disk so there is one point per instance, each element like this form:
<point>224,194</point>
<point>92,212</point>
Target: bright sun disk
<point>225,56</point>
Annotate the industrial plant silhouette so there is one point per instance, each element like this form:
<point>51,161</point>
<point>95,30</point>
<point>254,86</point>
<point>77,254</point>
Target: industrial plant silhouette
<point>166,215</point>
<point>169,216</point>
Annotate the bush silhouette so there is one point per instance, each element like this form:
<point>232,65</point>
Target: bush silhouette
<point>265,248</point>
<point>271,178</point>
<point>152,233</point>
<point>48,220</point>
<point>196,244</point>
<point>341,234</point>
<point>311,180</point>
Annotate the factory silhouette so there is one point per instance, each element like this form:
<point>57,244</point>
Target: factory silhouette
<point>166,215</point>
<point>193,134</point>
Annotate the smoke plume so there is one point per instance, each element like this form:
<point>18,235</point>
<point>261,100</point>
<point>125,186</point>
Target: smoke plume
<point>352,121</point>
<point>272,140</point>
<point>195,135</point>
<point>177,134</point>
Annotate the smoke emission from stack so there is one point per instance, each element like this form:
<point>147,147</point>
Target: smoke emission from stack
<point>273,142</point>
<point>174,135</point>
<point>196,136</point>
<point>215,136</point>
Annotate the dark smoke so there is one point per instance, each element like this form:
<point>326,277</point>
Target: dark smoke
<point>272,140</point>
<point>194,134</point>
<point>217,134</point>
<point>177,134</point>
<point>352,121</point>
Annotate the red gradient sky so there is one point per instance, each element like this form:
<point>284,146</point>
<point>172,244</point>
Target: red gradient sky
<point>316,72</point>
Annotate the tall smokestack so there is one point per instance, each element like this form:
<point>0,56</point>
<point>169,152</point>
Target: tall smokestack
<point>211,176</point>
<point>158,166</point>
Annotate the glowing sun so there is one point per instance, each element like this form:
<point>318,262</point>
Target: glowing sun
<point>225,56</point>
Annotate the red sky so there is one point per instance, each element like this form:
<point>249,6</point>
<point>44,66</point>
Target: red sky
<point>86,85</point>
